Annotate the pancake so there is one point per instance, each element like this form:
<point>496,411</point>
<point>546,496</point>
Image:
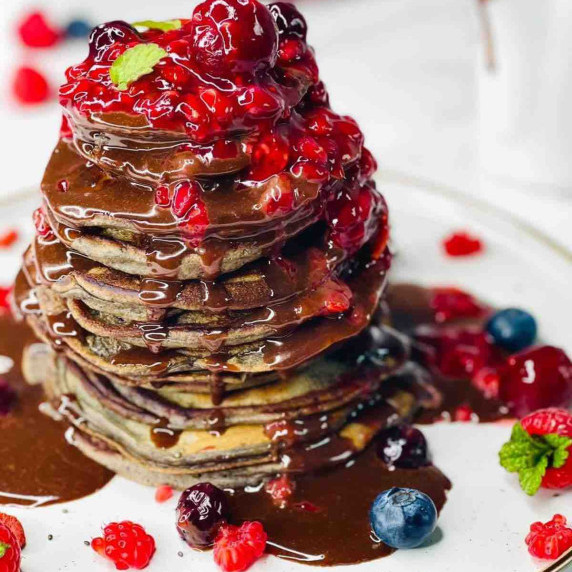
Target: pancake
<point>124,438</point>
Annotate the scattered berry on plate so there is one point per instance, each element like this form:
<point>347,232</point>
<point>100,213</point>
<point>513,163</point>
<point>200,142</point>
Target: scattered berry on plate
<point>512,329</point>
<point>403,518</point>
<point>280,489</point>
<point>10,553</point>
<point>237,548</point>
<point>536,378</point>
<point>78,28</point>
<point>36,32</point>
<point>404,447</point>
<point>551,539</point>
<point>30,86</point>
<point>126,544</point>
<point>163,493</point>
<point>15,527</point>
<point>5,296</point>
<point>540,450</point>
<point>202,509</point>
<point>461,243</point>
<point>8,238</point>
<point>450,303</point>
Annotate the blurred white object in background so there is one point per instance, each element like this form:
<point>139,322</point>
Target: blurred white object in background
<point>525,99</point>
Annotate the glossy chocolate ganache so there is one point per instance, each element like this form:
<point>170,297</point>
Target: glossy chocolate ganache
<point>207,281</point>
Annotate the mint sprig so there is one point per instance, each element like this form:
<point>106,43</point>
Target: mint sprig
<point>135,63</point>
<point>164,26</point>
<point>530,456</point>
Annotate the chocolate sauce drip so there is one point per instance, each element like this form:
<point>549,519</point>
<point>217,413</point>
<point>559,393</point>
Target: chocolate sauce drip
<point>163,436</point>
<point>39,466</point>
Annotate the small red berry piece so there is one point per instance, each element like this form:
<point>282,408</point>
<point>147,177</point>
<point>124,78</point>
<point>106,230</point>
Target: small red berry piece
<point>280,489</point>
<point>536,378</point>
<point>464,413</point>
<point>338,297</point>
<point>65,128</point>
<point>30,86</point>
<point>10,552</point>
<point>487,381</point>
<point>551,539</point>
<point>15,527</point>
<point>462,244</point>
<point>236,548</point>
<point>126,544</point>
<point>8,238</point>
<point>452,303</point>
<point>278,199</point>
<point>163,493</point>
<point>42,225</point>
<point>162,197</point>
<point>36,32</point>
<point>5,295</point>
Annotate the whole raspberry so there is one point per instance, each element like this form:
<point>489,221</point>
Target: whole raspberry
<point>30,86</point>
<point>540,450</point>
<point>36,32</point>
<point>238,547</point>
<point>15,527</point>
<point>549,540</point>
<point>126,544</point>
<point>10,553</point>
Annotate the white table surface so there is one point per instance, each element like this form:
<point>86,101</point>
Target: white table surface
<point>405,69</point>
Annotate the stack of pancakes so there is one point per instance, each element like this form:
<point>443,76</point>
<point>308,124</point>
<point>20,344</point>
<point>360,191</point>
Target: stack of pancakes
<point>199,328</point>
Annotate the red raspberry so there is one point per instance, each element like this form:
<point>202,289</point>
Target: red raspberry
<point>551,539</point>
<point>36,32</point>
<point>462,244</point>
<point>185,196</point>
<point>549,421</point>
<point>126,544</point>
<point>10,553</point>
<point>280,489</point>
<point>540,450</point>
<point>15,527</point>
<point>30,86</point>
<point>163,493</point>
<point>162,197</point>
<point>452,303</point>
<point>487,381</point>
<point>8,238</point>
<point>237,548</point>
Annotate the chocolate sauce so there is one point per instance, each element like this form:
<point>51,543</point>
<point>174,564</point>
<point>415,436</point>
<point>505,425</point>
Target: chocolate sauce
<point>163,436</point>
<point>39,467</point>
<point>326,521</point>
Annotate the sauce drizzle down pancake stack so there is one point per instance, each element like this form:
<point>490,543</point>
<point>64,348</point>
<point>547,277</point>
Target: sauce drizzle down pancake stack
<point>210,255</point>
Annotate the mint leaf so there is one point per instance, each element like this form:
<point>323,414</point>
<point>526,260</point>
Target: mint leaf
<point>154,25</point>
<point>135,63</point>
<point>530,479</point>
<point>530,456</point>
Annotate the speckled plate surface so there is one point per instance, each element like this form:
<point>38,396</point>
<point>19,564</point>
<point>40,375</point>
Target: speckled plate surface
<point>484,523</point>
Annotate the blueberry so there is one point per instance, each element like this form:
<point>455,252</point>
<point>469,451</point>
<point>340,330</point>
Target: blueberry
<point>78,29</point>
<point>403,518</point>
<point>403,446</point>
<point>201,510</point>
<point>512,329</point>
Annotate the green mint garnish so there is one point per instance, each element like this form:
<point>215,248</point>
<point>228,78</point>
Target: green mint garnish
<point>530,456</point>
<point>163,26</point>
<point>135,63</point>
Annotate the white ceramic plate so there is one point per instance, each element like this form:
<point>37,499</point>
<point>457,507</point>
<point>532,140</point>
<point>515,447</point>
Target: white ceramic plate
<point>486,518</point>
